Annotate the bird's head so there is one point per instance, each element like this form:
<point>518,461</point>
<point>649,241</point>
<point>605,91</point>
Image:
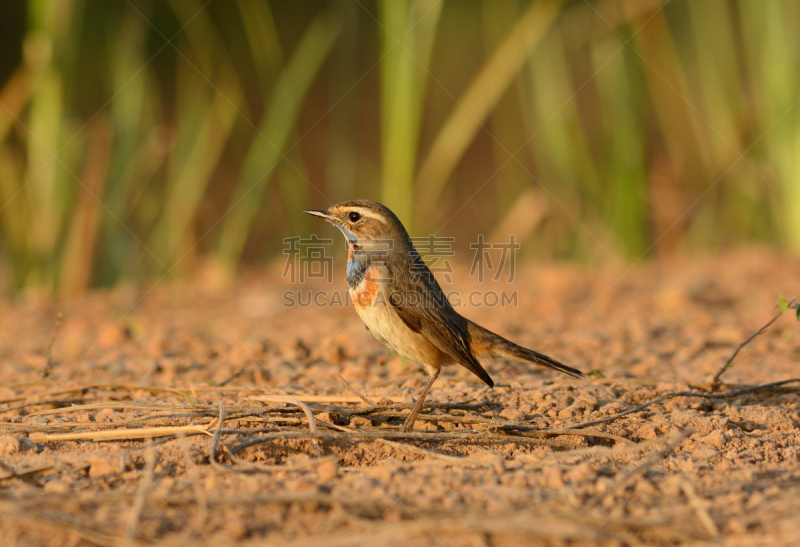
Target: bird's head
<point>362,221</point>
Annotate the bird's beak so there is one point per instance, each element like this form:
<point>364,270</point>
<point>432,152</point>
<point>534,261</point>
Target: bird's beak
<point>336,221</point>
<point>321,214</point>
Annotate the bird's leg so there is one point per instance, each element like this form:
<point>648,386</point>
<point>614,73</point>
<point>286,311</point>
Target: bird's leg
<point>408,425</point>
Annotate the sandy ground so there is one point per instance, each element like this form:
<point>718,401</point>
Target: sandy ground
<point>140,375</point>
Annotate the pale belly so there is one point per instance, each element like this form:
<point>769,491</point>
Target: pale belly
<point>384,323</point>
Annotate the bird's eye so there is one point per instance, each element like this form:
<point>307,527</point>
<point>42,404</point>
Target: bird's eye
<point>354,217</point>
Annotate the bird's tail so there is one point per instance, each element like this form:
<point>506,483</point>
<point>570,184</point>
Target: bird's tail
<point>485,343</point>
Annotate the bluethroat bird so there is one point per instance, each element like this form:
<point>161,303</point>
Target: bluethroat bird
<point>400,302</point>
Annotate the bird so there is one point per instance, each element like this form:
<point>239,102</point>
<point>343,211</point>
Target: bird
<point>399,300</point>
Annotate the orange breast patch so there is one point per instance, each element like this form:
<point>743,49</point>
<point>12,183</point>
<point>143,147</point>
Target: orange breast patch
<point>366,290</point>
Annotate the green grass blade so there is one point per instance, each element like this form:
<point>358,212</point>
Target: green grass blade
<point>193,173</point>
<point>267,148</point>
<point>481,96</point>
<point>403,85</point>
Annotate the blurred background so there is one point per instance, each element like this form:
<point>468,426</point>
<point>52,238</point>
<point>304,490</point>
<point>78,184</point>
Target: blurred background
<point>144,138</point>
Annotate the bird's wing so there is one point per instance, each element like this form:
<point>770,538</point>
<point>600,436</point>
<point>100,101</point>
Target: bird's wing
<point>424,308</point>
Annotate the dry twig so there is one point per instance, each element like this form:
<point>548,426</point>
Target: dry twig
<point>311,462</point>
<point>595,452</point>
<point>48,366</point>
<point>716,381</point>
<point>141,496</point>
<point>359,395</point>
<point>215,440</point>
<point>700,509</point>
<point>122,434</point>
<point>376,434</point>
<point>312,424</point>
<point>452,460</point>
<point>199,492</point>
<point>674,394</point>
<point>24,475</point>
<point>672,444</point>
<point>536,432</point>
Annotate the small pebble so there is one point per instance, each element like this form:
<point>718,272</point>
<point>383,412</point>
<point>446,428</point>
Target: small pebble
<point>360,422</point>
<point>327,471</point>
<point>56,486</point>
<point>100,465</point>
<point>9,445</point>
<point>581,473</point>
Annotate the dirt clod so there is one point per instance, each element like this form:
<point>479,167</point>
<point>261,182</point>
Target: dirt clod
<point>327,471</point>
<point>9,445</point>
<point>100,465</point>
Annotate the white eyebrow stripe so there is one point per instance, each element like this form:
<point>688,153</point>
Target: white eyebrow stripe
<point>370,214</point>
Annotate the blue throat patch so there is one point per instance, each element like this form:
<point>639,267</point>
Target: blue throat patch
<point>355,272</point>
<point>351,237</point>
<point>355,267</point>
